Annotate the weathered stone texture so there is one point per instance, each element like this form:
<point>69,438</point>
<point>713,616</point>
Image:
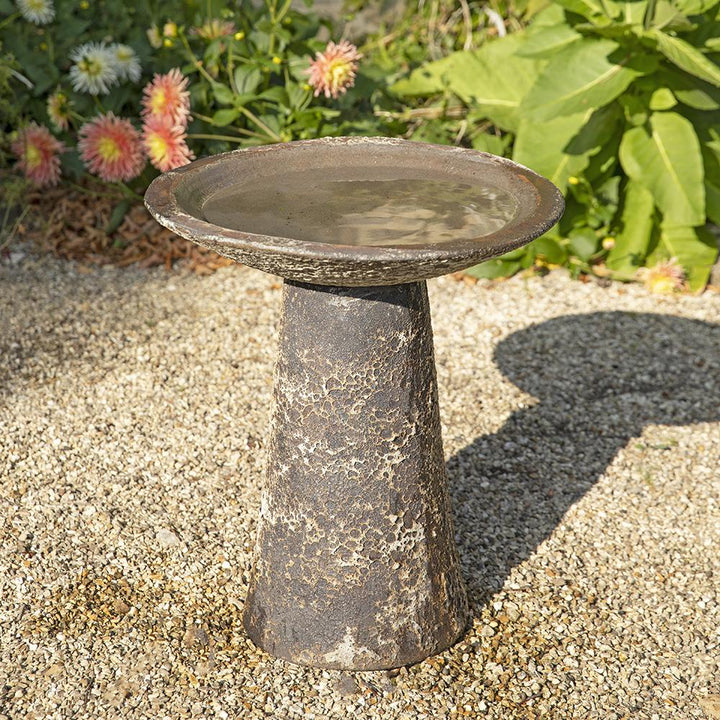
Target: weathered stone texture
<point>356,565</point>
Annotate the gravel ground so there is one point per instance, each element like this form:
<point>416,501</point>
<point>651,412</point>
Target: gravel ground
<point>582,430</point>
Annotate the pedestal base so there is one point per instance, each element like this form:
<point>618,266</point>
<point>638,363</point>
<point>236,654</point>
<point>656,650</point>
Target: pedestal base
<point>355,564</point>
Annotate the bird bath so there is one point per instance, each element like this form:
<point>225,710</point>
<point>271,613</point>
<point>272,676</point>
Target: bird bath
<point>355,563</point>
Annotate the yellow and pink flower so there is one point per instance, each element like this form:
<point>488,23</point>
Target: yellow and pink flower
<point>165,143</point>
<point>667,276</point>
<point>38,152</point>
<point>166,98</point>
<point>111,148</point>
<point>333,71</point>
<point>214,29</point>
<point>58,110</point>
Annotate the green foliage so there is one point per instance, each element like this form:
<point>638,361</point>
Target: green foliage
<point>617,103</point>
<point>247,66</point>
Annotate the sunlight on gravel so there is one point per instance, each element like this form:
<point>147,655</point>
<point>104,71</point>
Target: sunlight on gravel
<point>582,431</point>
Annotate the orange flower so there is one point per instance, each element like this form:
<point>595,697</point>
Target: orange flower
<point>333,71</point>
<point>166,97</point>
<point>37,153</point>
<point>110,147</point>
<point>165,144</point>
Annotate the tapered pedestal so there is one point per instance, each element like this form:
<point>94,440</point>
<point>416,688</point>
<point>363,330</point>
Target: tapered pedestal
<point>355,564</point>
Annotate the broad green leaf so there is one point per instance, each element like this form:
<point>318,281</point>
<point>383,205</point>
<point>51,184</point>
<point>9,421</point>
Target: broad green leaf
<point>633,12</point>
<point>712,184</point>
<point>551,14</point>
<point>223,94</point>
<point>429,79</point>
<point>689,90</point>
<point>544,41</point>
<point>550,249</point>
<point>712,200</point>
<point>494,269</point>
<point>583,243</point>
<point>275,94</point>
<point>695,249</point>
<point>632,239</point>
<point>117,216</point>
<point>589,9</point>
<point>542,147</point>
<point>598,130</point>
<point>686,57</point>
<point>666,159</point>
<point>662,99</point>
<point>485,142</point>
<point>578,78</point>
<point>493,79</point>
<point>695,7</point>
<point>225,117</point>
<point>247,78</point>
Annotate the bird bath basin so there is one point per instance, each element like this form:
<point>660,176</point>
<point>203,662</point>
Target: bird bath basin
<point>355,563</point>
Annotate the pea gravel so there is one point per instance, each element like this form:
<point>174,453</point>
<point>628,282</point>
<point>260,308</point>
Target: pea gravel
<point>582,430</point>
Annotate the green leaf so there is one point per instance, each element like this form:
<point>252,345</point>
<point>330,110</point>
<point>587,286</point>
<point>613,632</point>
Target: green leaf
<point>247,78</point>
<point>689,90</point>
<point>695,7</point>
<point>542,147</point>
<point>426,80</point>
<point>225,117</point>
<point>494,269</point>
<point>662,99</point>
<point>632,239</point>
<point>589,9</point>
<point>633,12</point>
<point>493,79</point>
<point>712,185</point>
<point>494,144</point>
<point>695,249</point>
<point>117,216</point>
<point>550,249</point>
<point>686,57</point>
<point>223,94</point>
<point>578,78</point>
<point>712,199</point>
<point>545,41</point>
<point>666,159</point>
<point>276,94</point>
<point>583,243</point>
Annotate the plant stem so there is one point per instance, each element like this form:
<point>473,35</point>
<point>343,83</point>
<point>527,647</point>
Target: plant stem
<point>9,19</point>
<point>94,193</point>
<point>227,138</point>
<point>239,131</point>
<point>649,14</point>
<point>254,118</point>
<point>191,56</point>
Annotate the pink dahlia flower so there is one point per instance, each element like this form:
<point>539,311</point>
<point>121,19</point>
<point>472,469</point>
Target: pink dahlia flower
<point>38,152</point>
<point>110,147</point>
<point>165,144</point>
<point>333,71</point>
<point>167,98</point>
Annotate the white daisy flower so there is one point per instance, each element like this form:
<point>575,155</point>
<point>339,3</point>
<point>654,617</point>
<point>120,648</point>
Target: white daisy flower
<point>40,12</point>
<point>126,63</point>
<point>94,71</point>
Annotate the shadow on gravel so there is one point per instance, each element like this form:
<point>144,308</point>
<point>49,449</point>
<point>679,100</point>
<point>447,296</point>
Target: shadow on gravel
<point>599,380</point>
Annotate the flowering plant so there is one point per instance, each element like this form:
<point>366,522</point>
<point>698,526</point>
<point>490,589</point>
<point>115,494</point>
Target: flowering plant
<point>159,90</point>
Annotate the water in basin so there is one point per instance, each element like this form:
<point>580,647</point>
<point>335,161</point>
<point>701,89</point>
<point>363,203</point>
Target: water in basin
<point>348,211</point>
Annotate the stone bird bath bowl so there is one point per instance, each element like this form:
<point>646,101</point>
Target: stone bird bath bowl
<point>355,564</point>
